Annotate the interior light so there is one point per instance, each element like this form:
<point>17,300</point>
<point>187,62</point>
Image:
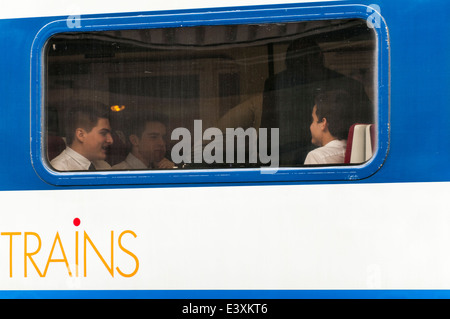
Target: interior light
<point>117,108</point>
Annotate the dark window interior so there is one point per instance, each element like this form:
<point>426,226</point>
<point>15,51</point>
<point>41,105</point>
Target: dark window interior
<point>235,76</point>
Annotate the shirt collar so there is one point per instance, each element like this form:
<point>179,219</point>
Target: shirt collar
<point>135,162</point>
<point>77,157</point>
<point>336,143</point>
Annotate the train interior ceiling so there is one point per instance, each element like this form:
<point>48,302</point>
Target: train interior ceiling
<point>221,75</point>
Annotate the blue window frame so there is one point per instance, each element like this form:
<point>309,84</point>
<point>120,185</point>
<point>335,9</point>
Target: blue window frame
<point>178,24</point>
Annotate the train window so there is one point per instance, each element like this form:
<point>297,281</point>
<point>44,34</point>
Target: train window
<point>294,94</point>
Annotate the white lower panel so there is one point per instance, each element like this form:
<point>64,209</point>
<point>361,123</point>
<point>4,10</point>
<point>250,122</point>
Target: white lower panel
<point>384,236</point>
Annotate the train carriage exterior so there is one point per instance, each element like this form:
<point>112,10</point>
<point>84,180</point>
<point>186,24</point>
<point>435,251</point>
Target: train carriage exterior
<point>377,226</point>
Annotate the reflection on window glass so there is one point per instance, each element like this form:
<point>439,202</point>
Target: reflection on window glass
<point>236,96</point>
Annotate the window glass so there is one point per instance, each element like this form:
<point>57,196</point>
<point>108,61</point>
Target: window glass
<point>234,96</point>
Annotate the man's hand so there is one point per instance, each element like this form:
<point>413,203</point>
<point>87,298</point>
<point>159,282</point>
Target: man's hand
<point>164,164</point>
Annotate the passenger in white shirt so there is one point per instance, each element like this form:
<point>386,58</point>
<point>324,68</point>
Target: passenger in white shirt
<point>147,136</point>
<point>332,116</point>
<point>88,138</point>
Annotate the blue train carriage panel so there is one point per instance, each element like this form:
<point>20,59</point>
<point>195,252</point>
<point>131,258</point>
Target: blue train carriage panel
<point>253,150</point>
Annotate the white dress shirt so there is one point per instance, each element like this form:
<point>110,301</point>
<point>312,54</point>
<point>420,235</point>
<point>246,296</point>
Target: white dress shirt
<point>131,162</point>
<point>69,160</point>
<point>331,153</point>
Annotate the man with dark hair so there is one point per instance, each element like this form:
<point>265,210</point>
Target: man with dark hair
<point>88,136</point>
<point>146,134</point>
<point>333,114</point>
<point>289,95</point>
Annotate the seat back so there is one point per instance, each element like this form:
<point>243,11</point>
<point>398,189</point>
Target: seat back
<point>55,145</point>
<point>118,151</point>
<point>360,144</point>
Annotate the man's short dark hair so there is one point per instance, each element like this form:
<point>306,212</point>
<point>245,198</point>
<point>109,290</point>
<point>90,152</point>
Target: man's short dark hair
<point>84,115</point>
<point>137,122</point>
<point>339,108</point>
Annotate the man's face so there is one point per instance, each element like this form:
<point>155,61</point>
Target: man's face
<point>152,144</point>
<point>316,129</point>
<point>97,141</point>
